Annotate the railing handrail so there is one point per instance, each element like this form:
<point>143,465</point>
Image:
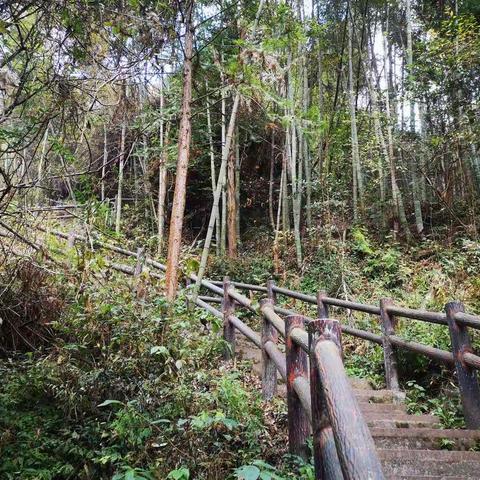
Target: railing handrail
<point>462,356</point>
<point>354,443</point>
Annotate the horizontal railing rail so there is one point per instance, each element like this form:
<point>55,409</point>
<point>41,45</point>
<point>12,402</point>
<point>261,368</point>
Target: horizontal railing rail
<point>321,402</point>
<point>461,356</point>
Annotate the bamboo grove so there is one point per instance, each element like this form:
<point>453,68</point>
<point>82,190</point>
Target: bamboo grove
<point>206,122</point>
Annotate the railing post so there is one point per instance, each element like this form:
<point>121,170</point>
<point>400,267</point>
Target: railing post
<point>228,308</point>
<point>390,361</point>
<point>467,376</point>
<point>71,239</point>
<point>270,293</point>
<point>297,365</point>
<point>140,262</point>
<point>322,307</point>
<point>269,369</point>
<point>327,464</point>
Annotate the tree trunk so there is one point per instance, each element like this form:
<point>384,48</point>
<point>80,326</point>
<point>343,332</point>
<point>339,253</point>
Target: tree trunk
<point>413,166</point>
<point>121,165</point>
<point>237,186</point>
<point>162,189</point>
<point>231,204</point>
<point>270,181</point>
<point>212,168</point>
<point>223,219</point>
<point>396,193</point>
<point>41,162</point>
<point>356,166</point>
<point>184,137</point>
<point>104,162</point>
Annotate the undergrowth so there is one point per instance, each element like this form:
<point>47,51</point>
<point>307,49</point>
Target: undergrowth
<point>125,386</point>
<point>355,267</point>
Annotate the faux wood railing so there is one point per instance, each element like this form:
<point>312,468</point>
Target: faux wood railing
<point>455,318</point>
<point>319,395</point>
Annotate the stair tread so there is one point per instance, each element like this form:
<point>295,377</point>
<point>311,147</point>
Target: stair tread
<point>385,408</point>
<point>425,433</point>
<point>430,455</point>
<point>428,477</point>
<point>401,417</point>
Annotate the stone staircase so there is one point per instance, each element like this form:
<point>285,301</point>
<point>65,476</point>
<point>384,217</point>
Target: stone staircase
<point>409,446</point>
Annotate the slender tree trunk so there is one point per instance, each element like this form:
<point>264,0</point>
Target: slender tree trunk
<point>320,104</point>
<point>162,189</point>
<point>231,204</point>
<point>276,257</point>
<point>356,166</point>
<point>104,162</point>
<point>184,137</point>
<point>41,162</point>
<point>223,218</point>
<point>237,186</point>
<point>284,189</point>
<point>397,196</point>
<point>296,180</point>
<point>121,165</point>
<point>413,167</point>
<point>212,168</point>
<point>270,181</point>
<point>162,173</point>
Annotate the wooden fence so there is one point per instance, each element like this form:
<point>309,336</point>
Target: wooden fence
<point>319,395</point>
<point>461,356</point>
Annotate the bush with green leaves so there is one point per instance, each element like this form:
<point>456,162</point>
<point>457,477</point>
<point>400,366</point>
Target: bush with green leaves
<point>129,388</point>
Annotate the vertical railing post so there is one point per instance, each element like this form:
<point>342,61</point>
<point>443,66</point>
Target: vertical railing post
<point>327,465</point>
<point>390,360</point>
<point>140,261</point>
<point>322,307</point>
<point>270,292</point>
<point>297,365</point>
<point>71,239</point>
<point>228,308</point>
<point>269,369</point>
<point>467,376</point>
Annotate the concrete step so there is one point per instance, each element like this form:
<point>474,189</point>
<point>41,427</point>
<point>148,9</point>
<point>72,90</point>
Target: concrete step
<point>435,463</point>
<point>424,438</point>
<point>429,477</point>
<point>401,420</point>
<point>379,396</point>
<point>360,383</point>
<point>385,408</point>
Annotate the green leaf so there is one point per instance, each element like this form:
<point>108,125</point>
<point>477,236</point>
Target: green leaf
<point>247,472</point>
<point>179,474</point>
<point>159,350</point>
<point>3,27</point>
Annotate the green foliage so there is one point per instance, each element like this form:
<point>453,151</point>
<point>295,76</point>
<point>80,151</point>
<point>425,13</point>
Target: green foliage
<point>446,407</point>
<point>255,268</point>
<point>124,382</point>
<point>179,474</point>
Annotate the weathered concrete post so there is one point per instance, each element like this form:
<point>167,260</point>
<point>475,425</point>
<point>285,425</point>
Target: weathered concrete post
<point>467,376</point>
<point>297,366</point>
<point>390,360</point>
<point>228,308</point>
